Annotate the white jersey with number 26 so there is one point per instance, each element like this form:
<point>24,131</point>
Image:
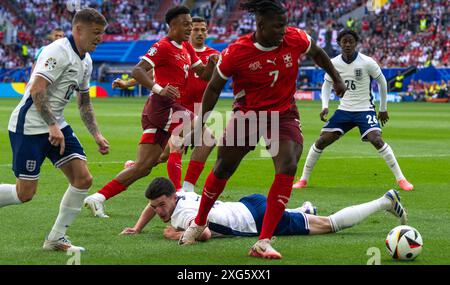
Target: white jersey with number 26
<point>357,76</point>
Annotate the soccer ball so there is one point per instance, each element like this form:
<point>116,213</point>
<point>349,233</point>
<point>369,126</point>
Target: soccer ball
<point>404,243</point>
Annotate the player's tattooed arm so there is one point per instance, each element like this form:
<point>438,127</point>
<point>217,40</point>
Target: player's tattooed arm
<point>38,93</point>
<point>88,118</point>
<point>87,113</point>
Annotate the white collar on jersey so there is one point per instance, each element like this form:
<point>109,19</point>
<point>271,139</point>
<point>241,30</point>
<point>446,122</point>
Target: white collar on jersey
<point>260,47</point>
<point>200,49</point>
<point>176,44</point>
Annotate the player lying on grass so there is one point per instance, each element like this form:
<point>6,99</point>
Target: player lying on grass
<point>244,218</point>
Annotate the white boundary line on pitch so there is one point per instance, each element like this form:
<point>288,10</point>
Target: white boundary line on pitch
<point>266,158</point>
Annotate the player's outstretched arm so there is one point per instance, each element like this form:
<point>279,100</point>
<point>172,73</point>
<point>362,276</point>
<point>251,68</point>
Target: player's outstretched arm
<point>173,234</point>
<point>88,117</point>
<point>124,84</point>
<point>146,216</point>
<point>321,59</point>
<point>38,92</point>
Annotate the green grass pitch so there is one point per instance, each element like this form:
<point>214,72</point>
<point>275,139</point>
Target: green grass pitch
<point>349,172</point>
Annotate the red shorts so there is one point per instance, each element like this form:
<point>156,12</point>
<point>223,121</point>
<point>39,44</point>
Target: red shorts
<point>161,118</point>
<point>245,129</point>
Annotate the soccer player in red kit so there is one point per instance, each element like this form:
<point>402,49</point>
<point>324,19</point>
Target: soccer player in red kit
<point>264,67</point>
<point>192,101</point>
<point>171,58</point>
<point>194,93</point>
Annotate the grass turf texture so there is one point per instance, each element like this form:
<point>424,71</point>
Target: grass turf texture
<point>349,172</point>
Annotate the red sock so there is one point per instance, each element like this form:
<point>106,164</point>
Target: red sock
<point>112,188</point>
<point>276,204</point>
<point>212,190</point>
<point>174,169</point>
<point>194,170</point>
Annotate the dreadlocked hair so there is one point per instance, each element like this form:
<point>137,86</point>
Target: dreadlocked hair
<point>263,7</point>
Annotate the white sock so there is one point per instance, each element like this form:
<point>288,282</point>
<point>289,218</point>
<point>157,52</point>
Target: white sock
<point>353,215</point>
<point>99,197</point>
<point>70,207</point>
<point>8,195</point>
<point>388,155</point>
<point>313,155</point>
<point>188,187</point>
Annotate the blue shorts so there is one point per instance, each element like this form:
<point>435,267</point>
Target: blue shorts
<point>30,151</point>
<point>290,223</point>
<point>344,121</point>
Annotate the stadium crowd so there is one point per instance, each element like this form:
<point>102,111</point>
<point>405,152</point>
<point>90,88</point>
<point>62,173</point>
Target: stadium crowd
<point>401,34</point>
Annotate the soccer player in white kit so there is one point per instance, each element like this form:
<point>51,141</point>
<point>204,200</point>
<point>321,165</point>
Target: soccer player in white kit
<point>38,129</point>
<point>244,218</point>
<point>356,108</point>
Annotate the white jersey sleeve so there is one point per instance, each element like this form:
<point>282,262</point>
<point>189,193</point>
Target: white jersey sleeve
<point>84,86</point>
<point>51,63</point>
<point>373,68</point>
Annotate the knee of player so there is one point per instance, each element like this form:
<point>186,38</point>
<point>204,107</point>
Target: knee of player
<point>223,170</point>
<point>288,167</point>
<point>163,158</point>
<point>377,142</point>
<point>84,182</point>
<point>25,196</point>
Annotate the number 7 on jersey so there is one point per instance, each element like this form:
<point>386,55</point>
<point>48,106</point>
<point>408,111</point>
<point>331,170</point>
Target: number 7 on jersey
<point>275,78</point>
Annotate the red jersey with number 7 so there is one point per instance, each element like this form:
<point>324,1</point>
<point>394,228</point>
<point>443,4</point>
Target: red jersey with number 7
<point>264,78</point>
<point>172,62</point>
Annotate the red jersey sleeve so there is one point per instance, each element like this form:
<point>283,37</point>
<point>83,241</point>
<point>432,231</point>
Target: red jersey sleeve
<point>225,64</point>
<point>155,55</point>
<point>303,39</point>
<point>195,60</point>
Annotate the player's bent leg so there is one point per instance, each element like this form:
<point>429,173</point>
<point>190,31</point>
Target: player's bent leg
<point>325,139</point>
<point>26,189</point>
<point>164,155</point>
<point>388,155</point>
<point>9,193</point>
<point>228,160</point>
<point>148,155</point>
<point>80,181</point>
<point>285,168</point>
<point>374,137</point>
